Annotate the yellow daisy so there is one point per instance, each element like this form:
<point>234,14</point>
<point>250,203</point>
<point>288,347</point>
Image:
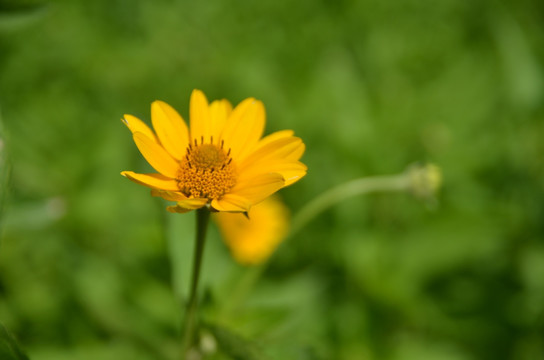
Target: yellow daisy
<point>221,161</point>
<point>253,239</point>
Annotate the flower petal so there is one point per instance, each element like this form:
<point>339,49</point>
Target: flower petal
<point>136,125</point>
<point>168,195</point>
<point>285,148</point>
<point>219,112</point>
<point>193,203</point>
<point>258,188</point>
<point>186,205</point>
<point>171,129</point>
<point>292,171</point>
<point>177,209</point>
<point>200,116</point>
<point>154,181</point>
<point>231,203</point>
<point>274,136</point>
<point>244,128</point>
<point>156,156</point>
<point>297,153</point>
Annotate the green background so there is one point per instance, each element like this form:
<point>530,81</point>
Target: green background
<point>370,86</point>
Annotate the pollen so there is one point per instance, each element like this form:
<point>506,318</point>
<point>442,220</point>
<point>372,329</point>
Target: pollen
<point>206,171</point>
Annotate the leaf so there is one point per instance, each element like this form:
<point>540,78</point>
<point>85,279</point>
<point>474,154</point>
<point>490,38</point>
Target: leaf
<point>9,350</point>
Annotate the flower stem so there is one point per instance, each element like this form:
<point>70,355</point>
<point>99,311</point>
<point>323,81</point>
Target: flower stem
<point>202,218</point>
<point>344,191</point>
<point>329,198</point>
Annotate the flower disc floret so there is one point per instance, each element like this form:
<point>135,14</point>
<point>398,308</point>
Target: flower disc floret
<point>206,171</point>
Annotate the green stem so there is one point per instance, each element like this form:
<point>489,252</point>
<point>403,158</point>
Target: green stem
<point>202,218</point>
<point>329,198</point>
<point>345,191</point>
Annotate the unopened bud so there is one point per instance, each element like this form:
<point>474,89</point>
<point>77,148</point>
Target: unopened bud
<point>425,180</point>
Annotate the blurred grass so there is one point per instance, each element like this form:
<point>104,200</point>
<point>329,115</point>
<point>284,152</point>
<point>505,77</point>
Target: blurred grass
<point>370,86</point>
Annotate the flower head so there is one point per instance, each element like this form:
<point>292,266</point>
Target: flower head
<point>221,161</point>
<point>254,238</point>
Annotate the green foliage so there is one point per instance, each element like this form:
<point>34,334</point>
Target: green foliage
<point>9,350</point>
<point>5,171</point>
<point>233,345</point>
<point>16,15</point>
<point>371,87</point>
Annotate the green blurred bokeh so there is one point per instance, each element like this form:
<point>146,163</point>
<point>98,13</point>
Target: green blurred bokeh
<point>371,86</point>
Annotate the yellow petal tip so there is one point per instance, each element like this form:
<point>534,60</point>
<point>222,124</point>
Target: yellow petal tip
<point>157,102</point>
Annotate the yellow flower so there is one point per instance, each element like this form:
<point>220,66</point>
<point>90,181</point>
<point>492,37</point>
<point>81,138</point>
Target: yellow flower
<point>253,239</point>
<point>221,162</point>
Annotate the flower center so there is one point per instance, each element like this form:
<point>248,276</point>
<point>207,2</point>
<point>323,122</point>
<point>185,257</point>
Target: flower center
<point>206,171</point>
